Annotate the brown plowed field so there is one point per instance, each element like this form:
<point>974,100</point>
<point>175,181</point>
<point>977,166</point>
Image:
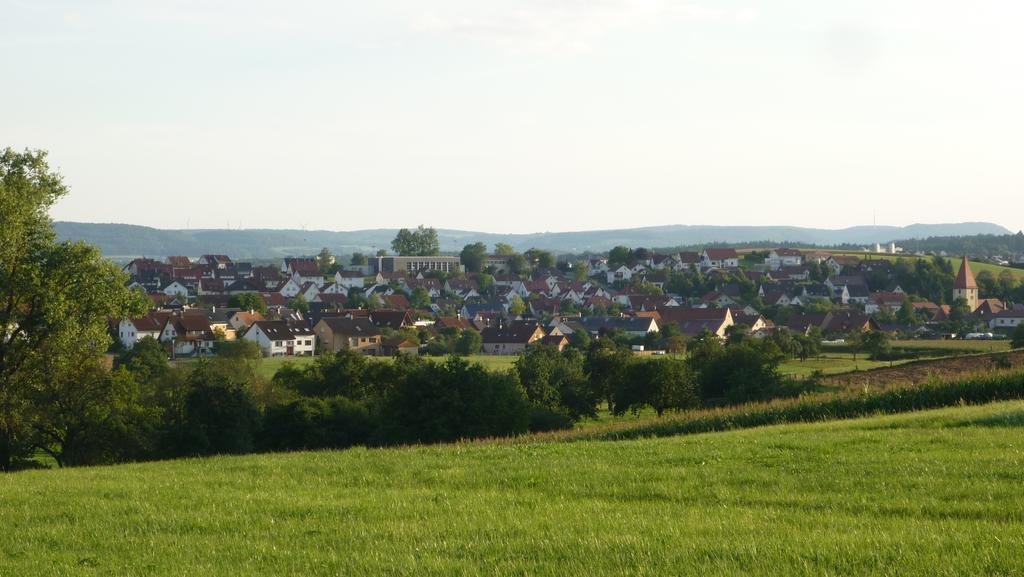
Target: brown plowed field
<point>918,372</point>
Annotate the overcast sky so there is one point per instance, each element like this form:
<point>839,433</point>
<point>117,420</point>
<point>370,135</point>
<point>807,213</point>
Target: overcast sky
<point>520,116</point>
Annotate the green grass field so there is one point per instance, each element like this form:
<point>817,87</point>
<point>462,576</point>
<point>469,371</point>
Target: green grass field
<point>930,493</point>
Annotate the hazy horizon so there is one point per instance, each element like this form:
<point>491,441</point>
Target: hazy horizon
<point>557,115</point>
<point>552,231</point>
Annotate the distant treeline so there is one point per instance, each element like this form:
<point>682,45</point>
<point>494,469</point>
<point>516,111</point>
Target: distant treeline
<point>987,245</point>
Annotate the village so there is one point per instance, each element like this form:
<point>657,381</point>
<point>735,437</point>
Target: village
<point>387,305</point>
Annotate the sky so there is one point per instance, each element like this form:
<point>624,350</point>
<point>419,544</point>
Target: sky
<point>520,116</point>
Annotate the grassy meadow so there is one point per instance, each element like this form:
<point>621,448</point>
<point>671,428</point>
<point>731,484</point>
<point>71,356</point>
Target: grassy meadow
<point>929,493</point>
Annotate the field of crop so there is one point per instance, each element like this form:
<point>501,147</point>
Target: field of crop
<point>930,493</point>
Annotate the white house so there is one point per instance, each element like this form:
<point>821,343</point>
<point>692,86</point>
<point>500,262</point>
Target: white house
<point>349,279</point>
<point>720,258</point>
<point>623,273</point>
<point>289,289</point>
<point>175,288</point>
<point>130,331</point>
<point>1007,319</point>
<point>782,257</point>
<point>279,339</point>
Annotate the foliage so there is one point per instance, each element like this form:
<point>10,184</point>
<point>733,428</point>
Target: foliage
<point>875,343</point>
<point>248,302</point>
<point>517,306</point>
<point>557,381</point>
<point>420,298</point>
<point>419,242</point>
<point>324,260</point>
<point>503,249</point>
<point>662,384</point>
<point>473,256</point>
<point>1017,340</point>
<point>469,343</point>
<point>359,259</point>
<point>299,303</point>
<point>539,258</point>
<point>55,299</point>
<point>220,415</point>
<point>316,423</point>
<point>737,373</point>
<point>434,402</point>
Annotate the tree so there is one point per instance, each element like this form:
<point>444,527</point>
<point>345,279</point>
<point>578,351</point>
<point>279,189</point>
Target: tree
<point>359,259</point>
<point>473,256</point>
<point>618,256</point>
<point>1017,341</point>
<point>517,306</point>
<point>876,343</point>
<point>540,258</point>
<point>146,359</point>
<point>220,414</point>
<point>518,264</point>
<point>740,373</point>
<point>324,260</point>
<point>248,302</point>
<point>469,343</point>
<point>299,303</point>
<point>420,298</point>
<point>419,242</point>
<point>503,249</point>
<point>557,381</point>
<point>435,402</point>
<point>662,384</point>
<point>55,298</point>
<point>606,365</point>
<point>907,315</point>
<point>374,302</point>
<point>580,271</point>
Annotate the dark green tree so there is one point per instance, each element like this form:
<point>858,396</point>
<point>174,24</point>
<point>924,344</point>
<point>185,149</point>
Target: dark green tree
<point>55,299</point>
<point>1017,341</point>
<point>473,256</point>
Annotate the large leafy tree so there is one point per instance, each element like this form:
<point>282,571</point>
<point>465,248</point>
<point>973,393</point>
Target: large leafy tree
<point>419,242</point>
<point>55,299</point>
<point>473,256</point>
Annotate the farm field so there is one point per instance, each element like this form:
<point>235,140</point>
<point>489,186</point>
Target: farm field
<point>928,493</point>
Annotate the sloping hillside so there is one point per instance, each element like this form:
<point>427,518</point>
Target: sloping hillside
<point>931,493</point>
<point>122,240</point>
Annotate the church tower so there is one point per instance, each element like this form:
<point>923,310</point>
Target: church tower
<point>965,287</point>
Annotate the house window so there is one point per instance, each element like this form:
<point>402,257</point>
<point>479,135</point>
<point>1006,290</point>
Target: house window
<point>277,343</point>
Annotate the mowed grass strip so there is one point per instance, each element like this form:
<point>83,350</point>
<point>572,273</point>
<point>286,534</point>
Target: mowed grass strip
<point>930,493</point>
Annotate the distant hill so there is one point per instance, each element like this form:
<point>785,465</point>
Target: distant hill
<point>124,240</point>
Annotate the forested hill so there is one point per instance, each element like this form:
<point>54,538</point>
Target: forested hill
<point>123,240</point>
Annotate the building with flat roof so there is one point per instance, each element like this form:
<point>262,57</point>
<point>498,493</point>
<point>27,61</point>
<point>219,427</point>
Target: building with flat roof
<point>415,264</point>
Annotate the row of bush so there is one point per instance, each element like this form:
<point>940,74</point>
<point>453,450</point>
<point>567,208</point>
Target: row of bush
<point>977,389</point>
<point>145,409</point>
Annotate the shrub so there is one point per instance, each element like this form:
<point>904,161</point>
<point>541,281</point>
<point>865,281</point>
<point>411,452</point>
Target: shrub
<point>433,402</point>
<point>307,423</point>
